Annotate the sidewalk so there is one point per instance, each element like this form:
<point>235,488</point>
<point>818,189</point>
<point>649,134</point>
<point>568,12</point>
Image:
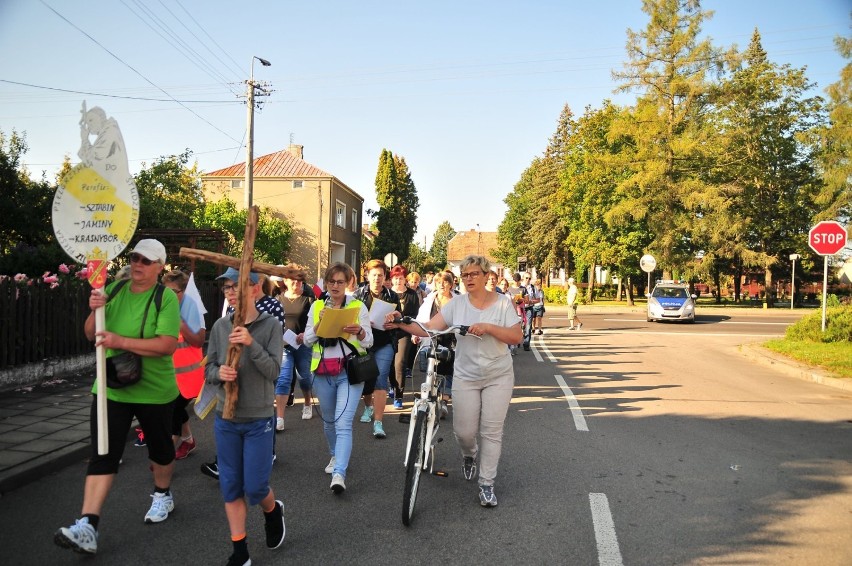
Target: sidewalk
<point>43,428</point>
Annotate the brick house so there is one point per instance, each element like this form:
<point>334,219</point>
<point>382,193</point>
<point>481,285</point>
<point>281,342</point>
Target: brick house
<point>326,215</point>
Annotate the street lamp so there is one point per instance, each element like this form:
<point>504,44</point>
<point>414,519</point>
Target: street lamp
<point>793,258</point>
<point>250,143</point>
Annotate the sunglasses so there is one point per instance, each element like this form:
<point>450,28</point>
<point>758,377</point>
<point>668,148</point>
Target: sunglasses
<point>139,258</point>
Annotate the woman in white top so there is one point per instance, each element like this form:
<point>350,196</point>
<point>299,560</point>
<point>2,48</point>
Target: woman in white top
<point>483,372</point>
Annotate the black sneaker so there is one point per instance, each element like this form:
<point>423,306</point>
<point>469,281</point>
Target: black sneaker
<point>469,467</point>
<point>211,470</point>
<point>234,560</point>
<point>275,527</point>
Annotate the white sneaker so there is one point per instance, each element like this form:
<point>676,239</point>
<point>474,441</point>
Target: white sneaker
<point>338,486</point>
<point>80,537</point>
<point>279,423</point>
<point>330,468</point>
<point>162,505</point>
<point>570,328</point>
<point>307,412</point>
<point>579,325</point>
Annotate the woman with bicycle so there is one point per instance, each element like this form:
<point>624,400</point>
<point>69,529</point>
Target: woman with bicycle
<point>483,372</point>
<point>337,397</point>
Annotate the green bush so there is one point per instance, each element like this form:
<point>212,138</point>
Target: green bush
<point>555,295</point>
<point>838,326</point>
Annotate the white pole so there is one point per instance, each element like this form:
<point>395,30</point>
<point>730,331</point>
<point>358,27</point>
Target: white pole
<point>793,285</point>
<point>824,287</point>
<point>100,358</point>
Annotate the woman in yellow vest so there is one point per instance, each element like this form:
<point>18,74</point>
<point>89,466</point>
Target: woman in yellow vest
<point>337,397</point>
<point>187,359</point>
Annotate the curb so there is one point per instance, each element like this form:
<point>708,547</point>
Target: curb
<point>43,465</point>
<point>792,368</point>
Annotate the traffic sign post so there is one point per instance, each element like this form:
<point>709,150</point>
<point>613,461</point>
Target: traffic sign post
<point>826,238</point>
<point>648,264</point>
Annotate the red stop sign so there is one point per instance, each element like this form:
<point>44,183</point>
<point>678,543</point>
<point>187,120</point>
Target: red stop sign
<point>827,238</point>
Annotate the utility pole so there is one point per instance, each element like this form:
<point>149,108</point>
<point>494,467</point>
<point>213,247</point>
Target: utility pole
<point>264,91</point>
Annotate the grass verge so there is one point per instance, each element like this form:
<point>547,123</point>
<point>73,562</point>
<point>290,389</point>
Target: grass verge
<point>836,357</point>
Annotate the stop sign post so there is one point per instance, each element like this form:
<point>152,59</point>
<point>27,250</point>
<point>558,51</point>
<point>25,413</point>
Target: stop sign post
<point>826,238</point>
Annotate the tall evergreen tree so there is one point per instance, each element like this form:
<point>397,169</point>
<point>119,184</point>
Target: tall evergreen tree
<point>835,140</point>
<point>761,111</point>
<point>396,219</point>
<point>668,66</point>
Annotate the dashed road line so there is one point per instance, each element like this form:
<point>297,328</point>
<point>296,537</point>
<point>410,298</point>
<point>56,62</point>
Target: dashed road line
<point>608,552</point>
<point>543,347</point>
<point>576,411</point>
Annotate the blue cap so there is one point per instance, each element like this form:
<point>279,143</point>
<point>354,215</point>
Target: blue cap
<point>234,275</point>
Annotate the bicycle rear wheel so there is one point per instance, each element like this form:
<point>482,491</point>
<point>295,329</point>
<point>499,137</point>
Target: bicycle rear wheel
<point>416,461</point>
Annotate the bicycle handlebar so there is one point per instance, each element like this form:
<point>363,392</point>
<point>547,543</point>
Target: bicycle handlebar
<point>460,329</point>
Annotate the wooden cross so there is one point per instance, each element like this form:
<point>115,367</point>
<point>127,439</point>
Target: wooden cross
<point>245,265</point>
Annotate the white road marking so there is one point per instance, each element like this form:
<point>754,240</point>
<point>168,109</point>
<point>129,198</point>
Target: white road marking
<point>593,331</point>
<point>535,351</point>
<point>576,412</point>
<point>608,552</point>
<point>543,347</point>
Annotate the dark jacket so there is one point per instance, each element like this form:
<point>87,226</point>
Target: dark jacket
<point>380,337</point>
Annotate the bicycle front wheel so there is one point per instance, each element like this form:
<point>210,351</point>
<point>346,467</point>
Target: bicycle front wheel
<point>416,461</point>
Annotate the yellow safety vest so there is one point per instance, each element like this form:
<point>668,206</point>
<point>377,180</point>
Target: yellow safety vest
<point>316,352</point>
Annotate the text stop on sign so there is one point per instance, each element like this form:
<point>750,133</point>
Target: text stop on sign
<point>827,238</point>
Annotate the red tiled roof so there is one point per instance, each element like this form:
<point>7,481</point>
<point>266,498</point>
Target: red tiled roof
<point>472,242</point>
<point>279,164</point>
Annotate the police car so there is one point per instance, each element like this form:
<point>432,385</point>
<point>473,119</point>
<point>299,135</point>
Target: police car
<point>671,300</point>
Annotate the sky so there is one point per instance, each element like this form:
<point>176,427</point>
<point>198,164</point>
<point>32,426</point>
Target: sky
<point>467,91</point>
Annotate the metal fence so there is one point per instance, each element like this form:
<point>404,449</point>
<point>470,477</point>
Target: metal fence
<point>38,323</point>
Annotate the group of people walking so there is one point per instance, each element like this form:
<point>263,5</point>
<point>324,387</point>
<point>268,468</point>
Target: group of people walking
<point>282,339</point>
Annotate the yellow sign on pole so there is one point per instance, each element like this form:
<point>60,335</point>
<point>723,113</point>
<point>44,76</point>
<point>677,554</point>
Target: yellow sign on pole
<point>95,213</point>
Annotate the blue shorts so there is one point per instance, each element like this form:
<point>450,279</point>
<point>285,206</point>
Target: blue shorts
<point>244,455</point>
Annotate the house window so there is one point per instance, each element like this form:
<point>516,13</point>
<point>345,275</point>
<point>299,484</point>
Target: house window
<point>236,184</point>
<point>340,216</point>
<point>298,184</point>
<point>354,261</point>
<point>354,221</point>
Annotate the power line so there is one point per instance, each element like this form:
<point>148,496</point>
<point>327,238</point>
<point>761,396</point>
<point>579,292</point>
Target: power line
<point>111,95</point>
<point>235,68</point>
<point>146,79</point>
<point>161,28</point>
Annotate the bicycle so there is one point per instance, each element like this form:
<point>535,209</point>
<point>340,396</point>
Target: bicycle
<point>425,418</point>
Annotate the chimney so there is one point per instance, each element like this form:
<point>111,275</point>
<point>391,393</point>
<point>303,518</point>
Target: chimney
<point>296,151</point>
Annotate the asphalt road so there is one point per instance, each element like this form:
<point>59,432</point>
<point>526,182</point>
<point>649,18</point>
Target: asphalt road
<point>626,443</point>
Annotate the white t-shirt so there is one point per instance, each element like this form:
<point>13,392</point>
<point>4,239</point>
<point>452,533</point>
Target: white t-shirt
<point>487,357</point>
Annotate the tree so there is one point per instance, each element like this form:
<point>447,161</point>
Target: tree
<point>443,234</point>
<point>396,219</point>
<point>594,168</point>
<point>765,171</point>
<point>27,243</point>
<point>669,66</point>
<point>511,233</point>
<point>835,144</point>
<point>272,242</point>
<point>169,192</point>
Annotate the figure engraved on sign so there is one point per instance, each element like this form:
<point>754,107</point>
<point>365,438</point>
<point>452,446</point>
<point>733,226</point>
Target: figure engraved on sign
<point>107,154</point>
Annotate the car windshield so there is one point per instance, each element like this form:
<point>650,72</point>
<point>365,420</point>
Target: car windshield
<point>670,292</point>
